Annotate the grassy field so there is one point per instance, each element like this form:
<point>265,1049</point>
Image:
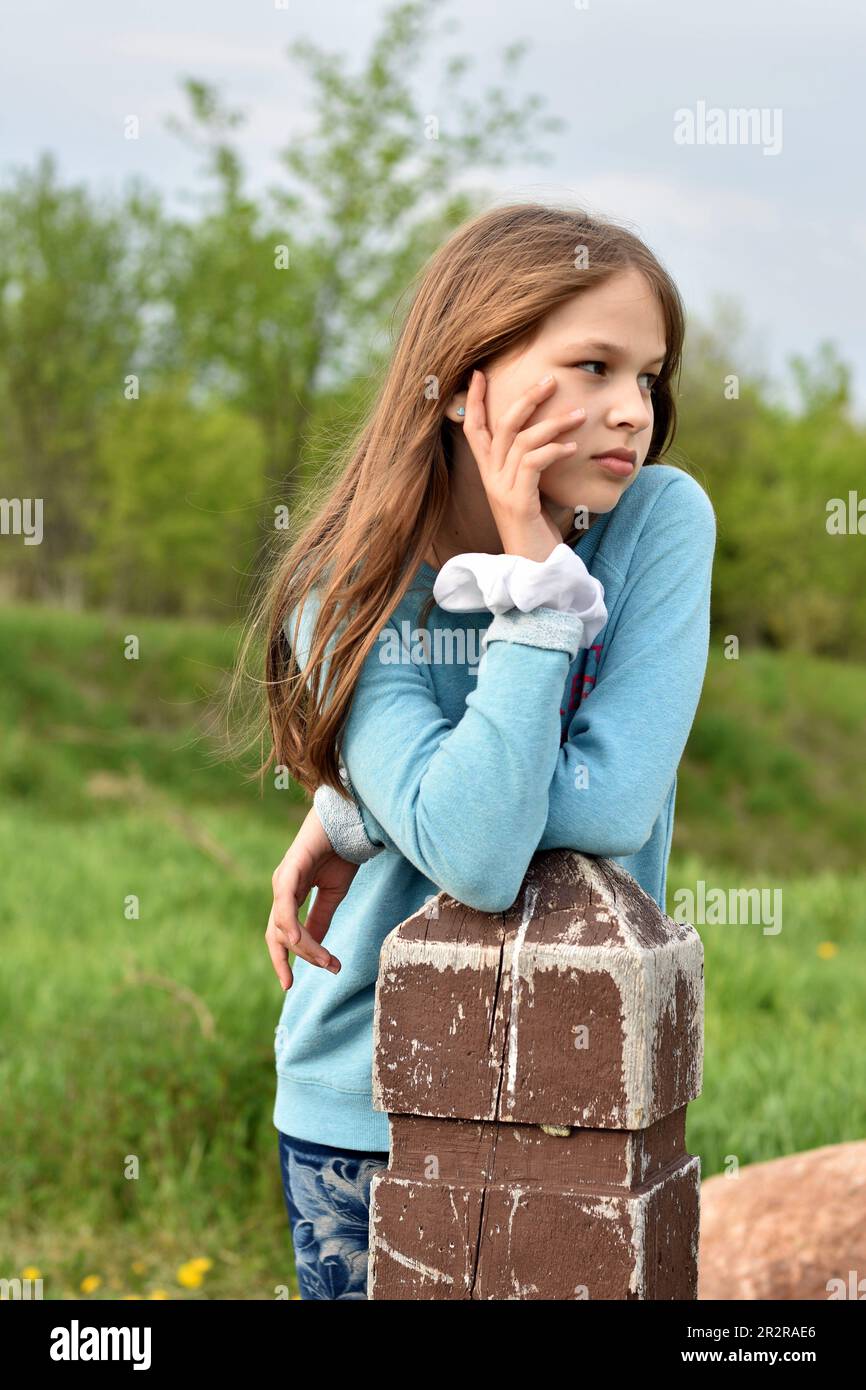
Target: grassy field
<point>150,1038</point>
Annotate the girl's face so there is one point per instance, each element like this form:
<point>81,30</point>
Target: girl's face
<point>612,383</point>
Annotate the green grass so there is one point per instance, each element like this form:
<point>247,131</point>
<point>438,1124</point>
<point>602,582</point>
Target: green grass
<point>149,1040</point>
<point>73,705</point>
<point>784,1028</point>
<point>774,775</point>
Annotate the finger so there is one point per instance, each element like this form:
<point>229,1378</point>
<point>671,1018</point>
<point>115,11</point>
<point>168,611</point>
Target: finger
<point>516,415</point>
<point>296,935</point>
<point>318,918</point>
<point>279,955</point>
<point>291,882</point>
<point>291,890</point>
<point>475,426</point>
<point>280,961</point>
<point>532,438</point>
<point>546,430</point>
<point>309,949</point>
<point>535,462</point>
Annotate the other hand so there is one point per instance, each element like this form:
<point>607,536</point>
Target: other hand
<point>310,861</point>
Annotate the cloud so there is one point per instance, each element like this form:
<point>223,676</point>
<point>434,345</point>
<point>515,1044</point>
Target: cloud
<point>192,50</point>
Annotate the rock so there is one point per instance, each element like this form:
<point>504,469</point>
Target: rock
<point>787,1228</point>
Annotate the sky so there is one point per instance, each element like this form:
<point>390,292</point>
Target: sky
<point>773,217</point>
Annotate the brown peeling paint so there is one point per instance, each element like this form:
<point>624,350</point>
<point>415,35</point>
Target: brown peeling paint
<point>477,1017</point>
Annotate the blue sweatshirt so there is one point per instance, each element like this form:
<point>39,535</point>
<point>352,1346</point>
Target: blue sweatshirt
<point>492,737</point>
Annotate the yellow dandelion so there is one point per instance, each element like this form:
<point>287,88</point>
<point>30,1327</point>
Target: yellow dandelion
<point>31,1272</point>
<point>296,1295</point>
<point>90,1282</point>
<point>138,1267</point>
<point>190,1276</point>
<point>128,1296</point>
<point>159,1293</point>
<point>201,1263</point>
<point>827,950</point>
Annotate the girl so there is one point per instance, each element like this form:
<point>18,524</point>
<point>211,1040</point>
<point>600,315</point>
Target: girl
<point>490,640</point>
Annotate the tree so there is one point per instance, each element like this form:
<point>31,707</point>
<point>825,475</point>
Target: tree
<point>69,330</point>
<point>372,191</point>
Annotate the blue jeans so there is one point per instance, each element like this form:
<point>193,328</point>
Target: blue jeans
<point>327,1194</point>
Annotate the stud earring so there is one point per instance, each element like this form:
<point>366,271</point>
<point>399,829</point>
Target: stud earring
<point>461,410</point>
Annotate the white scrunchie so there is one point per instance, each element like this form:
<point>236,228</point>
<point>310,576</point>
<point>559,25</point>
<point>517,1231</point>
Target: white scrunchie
<point>476,580</point>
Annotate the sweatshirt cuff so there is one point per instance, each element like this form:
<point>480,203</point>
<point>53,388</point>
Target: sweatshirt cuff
<point>543,627</point>
<point>343,824</point>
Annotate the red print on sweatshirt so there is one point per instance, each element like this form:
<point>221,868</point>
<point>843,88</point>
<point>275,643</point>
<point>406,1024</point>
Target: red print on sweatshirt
<point>582,684</point>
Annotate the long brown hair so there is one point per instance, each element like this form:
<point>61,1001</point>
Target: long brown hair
<point>486,290</point>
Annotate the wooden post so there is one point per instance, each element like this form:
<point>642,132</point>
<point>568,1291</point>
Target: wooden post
<point>536,1066</point>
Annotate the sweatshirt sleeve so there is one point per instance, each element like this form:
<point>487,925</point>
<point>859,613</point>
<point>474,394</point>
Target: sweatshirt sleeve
<point>466,803</point>
<point>625,740</point>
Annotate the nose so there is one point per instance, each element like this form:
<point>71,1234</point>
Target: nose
<point>629,408</point>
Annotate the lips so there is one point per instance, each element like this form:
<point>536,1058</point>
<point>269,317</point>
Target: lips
<point>619,462</point>
<point>627,455</point>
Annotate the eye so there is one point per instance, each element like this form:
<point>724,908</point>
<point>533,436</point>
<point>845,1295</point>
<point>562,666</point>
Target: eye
<point>654,376</point>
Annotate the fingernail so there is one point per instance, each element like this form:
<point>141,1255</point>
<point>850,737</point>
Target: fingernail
<point>543,380</point>
<point>576,413</point>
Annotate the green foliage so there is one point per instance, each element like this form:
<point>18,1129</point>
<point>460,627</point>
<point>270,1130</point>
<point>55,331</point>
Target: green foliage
<point>780,577</point>
<point>175,496</point>
<point>69,330</point>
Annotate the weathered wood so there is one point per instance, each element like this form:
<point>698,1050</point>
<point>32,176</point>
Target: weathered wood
<point>580,1010</point>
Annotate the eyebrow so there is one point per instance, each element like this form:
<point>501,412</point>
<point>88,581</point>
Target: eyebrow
<point>613,349</point>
